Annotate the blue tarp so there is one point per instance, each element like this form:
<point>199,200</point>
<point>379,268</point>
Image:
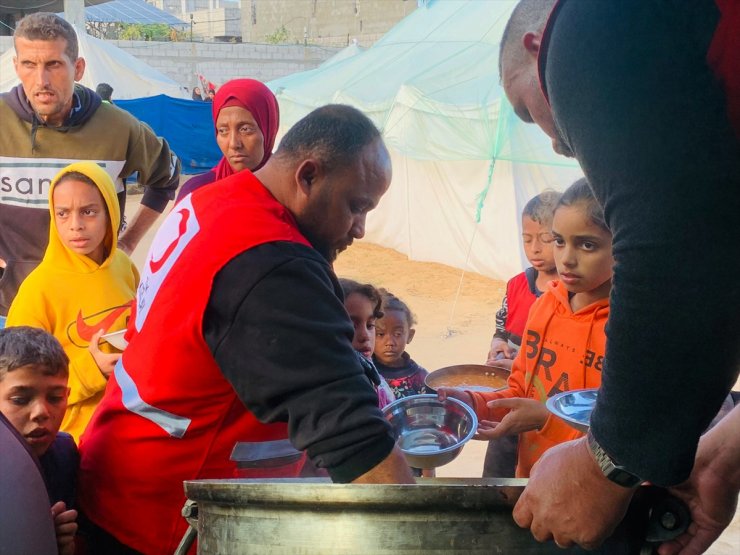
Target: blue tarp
<point>186,124</point>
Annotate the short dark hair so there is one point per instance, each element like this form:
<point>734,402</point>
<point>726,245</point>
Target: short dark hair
<point>391,302</point>
<point>580,192</point>
<point>528,15</point>
<point>48,26</point>
<point>26,346</point>
<point>540,208</point>
<point>350,286</point>
<point>334,134</point>
<point>104,90</point>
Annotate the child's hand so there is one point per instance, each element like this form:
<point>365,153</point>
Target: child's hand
<point>65,527</point>
<point>455,393</point>
<point>504,363</point>
<point>106,362</point>
<point>524,415</point>
<point>500,349</point>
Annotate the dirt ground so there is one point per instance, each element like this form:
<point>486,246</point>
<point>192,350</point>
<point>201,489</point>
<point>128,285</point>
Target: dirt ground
<point>455,315</point>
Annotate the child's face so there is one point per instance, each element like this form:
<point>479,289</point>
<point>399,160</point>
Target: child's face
<point>537,240</point>
<point>34,403</point>
<point>81,218</point>
<point>392,334</point>
<point>582,249</point>
<point>360,310</point>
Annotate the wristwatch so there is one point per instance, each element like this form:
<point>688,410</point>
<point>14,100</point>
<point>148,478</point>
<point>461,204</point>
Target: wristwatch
<point>613,471</point>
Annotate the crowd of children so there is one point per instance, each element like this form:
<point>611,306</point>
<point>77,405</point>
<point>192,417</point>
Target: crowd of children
<point>52,371</point>
<point>84,286</point>
<point>564,335</point>
<point>521,292</point>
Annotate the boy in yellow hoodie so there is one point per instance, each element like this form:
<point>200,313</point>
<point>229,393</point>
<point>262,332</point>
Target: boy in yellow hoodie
<point>564,342</point>
<point>84,286</point>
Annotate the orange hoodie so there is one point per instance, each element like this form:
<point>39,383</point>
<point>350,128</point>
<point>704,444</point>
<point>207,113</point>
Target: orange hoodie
<point>561,350</point>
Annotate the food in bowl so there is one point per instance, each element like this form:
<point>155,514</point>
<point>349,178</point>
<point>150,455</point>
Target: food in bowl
<point>474,377</point>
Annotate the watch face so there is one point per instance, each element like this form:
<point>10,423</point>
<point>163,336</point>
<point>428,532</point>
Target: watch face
<point>611,470</point>
<point>623,478</point>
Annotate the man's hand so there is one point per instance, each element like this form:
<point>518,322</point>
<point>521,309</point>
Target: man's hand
<point>65,527</point>
<point>524,415</point>
<point>569,500</point>
<point>137,228</point>
<point>711,491</point>
<point>106,362</point>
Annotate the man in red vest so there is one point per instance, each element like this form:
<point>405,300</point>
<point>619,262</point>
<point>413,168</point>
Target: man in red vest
<point>646,96</point>
<point>240,334</point>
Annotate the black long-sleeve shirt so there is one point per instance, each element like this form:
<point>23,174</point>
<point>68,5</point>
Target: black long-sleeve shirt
<point>634,97</point>
<point>278,329</point>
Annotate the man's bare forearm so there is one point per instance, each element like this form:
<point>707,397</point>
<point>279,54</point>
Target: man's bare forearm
<point>142,221</point>
<point>392,470</point>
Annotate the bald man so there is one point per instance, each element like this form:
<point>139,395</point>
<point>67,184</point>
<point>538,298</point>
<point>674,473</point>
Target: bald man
<point>646,96</point>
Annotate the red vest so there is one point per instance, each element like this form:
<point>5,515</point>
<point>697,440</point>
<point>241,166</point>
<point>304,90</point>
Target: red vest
<point>724,57</point>
<point>519,299</point>
<point>168,413</point>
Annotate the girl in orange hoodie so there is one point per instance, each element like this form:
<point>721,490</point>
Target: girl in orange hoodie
<point>564,341</point>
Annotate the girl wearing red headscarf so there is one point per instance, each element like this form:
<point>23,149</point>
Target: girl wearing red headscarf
<point>246,117</point>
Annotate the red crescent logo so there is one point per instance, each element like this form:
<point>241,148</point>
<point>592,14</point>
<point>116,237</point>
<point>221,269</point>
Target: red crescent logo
<point>156,265</point>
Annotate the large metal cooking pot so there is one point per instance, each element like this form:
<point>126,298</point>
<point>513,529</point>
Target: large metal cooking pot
<point>314,516</point>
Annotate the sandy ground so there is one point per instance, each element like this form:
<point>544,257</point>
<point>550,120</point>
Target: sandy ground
<point>455,315</point>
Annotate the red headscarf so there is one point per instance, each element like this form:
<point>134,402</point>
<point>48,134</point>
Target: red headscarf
<point>254,96</point>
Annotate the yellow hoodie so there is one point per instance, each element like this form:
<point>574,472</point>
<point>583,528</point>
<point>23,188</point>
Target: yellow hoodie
<point>72,297</point>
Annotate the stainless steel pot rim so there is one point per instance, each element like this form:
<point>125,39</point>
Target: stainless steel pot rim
<point>294,492</point>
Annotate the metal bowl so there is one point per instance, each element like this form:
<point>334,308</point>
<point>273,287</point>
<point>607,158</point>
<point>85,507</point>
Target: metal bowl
<point>473,377</point>
<point>116,339</point>
<point>430,432</point>
<point>575,407</point>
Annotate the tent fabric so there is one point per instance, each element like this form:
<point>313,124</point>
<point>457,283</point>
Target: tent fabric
<point>106,63</point>
<point>187,125</point>
<point>463,164</point>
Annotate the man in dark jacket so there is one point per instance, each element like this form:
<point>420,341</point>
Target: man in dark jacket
<point>645,95</point>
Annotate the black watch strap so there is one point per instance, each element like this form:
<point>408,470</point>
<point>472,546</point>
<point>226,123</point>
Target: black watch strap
<point>613,471</point>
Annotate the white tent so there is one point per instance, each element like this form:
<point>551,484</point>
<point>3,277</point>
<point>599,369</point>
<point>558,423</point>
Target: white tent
<point>463,164</point>
<point>106,63</point>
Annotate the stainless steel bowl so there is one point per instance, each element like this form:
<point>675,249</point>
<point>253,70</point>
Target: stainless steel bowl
<point>430,432</point>
<point>575,407</point>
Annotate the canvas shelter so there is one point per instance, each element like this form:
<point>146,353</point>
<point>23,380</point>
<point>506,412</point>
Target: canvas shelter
<point>463,164</point>
<point>106,63</point>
